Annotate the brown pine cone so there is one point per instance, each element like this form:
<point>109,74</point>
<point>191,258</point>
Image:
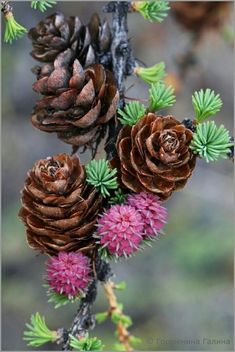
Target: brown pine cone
<point>77,103</point>
<point>59,209</point>
<point>56,34</point>
<point>199,15</point>
<point>154,155</point>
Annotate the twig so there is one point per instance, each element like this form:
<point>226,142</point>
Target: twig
<point>136,99</point>
<point>123,334</point>
<point>123,62</point>
<point>83,320</point>
<point>6,7</point>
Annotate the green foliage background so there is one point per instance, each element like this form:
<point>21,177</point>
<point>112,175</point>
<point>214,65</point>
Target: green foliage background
<point>182,287</point>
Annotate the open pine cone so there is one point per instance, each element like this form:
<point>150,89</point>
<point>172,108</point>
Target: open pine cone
<point>76,103</point>
<point>59,209</point>
<point>56,34</point>
<point>198,15</point>
<point>154,155</point>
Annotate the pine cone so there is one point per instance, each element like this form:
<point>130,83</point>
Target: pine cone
<point>199,15</point>
<point>77,103</point>
<point>56,34</point>
<point>154,155</point>
<point>59,209</point>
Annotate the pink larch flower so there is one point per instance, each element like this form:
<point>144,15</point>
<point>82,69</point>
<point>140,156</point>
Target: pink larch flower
<point>149,206</point>
<point>69,273</point>
<point>120,230</point>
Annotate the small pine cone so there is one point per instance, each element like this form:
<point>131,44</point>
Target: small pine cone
<point>76,103</point>
<point>198,15</point>
<point>56,34</point>
<point>154,155</point>
<point>59,209</point>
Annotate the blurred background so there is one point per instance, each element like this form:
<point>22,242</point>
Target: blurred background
<point>180,291</point>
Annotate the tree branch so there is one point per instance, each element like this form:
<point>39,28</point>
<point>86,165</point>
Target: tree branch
<point>83,320</point>
<point>123,62</point>
<point>6,7</point>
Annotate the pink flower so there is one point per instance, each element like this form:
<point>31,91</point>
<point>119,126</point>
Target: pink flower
<point>120,230</point>
<point>69,273</point>
<point>154,215</point>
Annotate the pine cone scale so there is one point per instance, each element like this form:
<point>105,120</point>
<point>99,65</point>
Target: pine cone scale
<point>33,190</point>
<point>156,184</point>
<point>130,182</point>
<point>138,162</point>
<point>89,118</point>
<point>87,95</point>
<point>143,135</point>
<point>112,99</point>
<point>50,212</point>
<point>41,210</point>
<point>71,222</point>
<point>155,167</point>
<point>81,232</point>
<point>52,247</point>
<point>78,140</point>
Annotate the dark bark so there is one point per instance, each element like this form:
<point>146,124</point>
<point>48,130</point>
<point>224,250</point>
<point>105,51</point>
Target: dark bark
<point>123,62</point>
<point>83,320</point>
<point>6,7</point>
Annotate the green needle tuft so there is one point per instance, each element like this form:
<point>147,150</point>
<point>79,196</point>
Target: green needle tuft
<point>211,142</point>
<point>86,343</point>
<point>101,176</point>
<point>59,300</point>
<point>118,198</point>
<point>153,11</point>
<point>38,333</point>
<point>131,113</point>
<point>161,96</point>
<point>151,74</point>
<point>205,104</point>
<point>42,5</point>
<point>13,29</point>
